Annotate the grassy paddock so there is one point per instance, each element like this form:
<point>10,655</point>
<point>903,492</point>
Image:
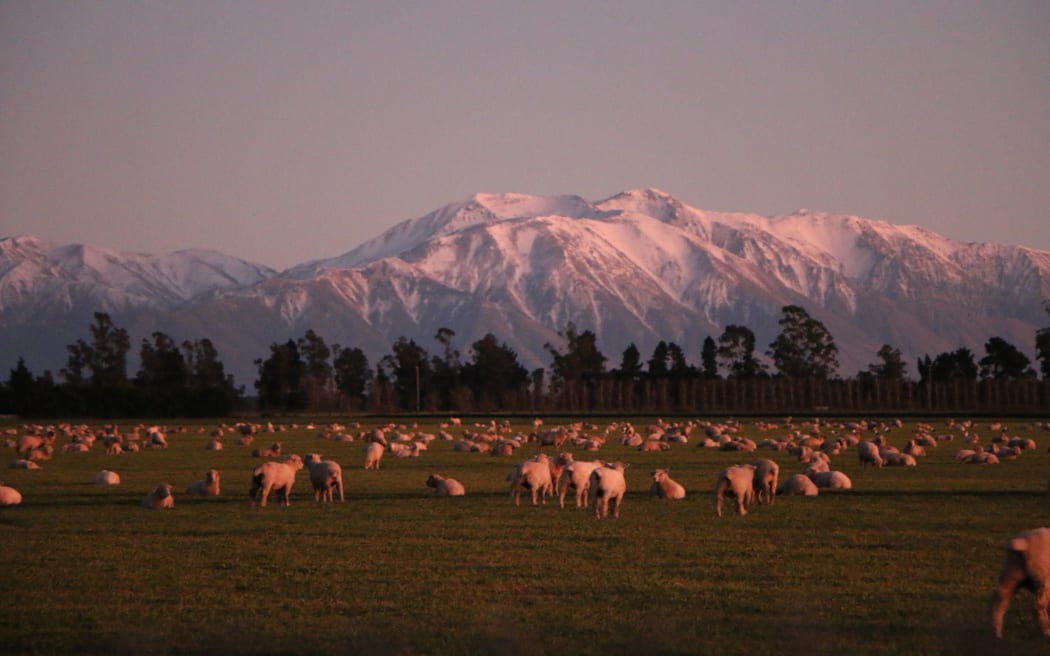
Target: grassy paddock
<point>902,564</point>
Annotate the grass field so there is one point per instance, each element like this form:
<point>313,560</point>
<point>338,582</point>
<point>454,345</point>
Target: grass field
<point>904,563</point>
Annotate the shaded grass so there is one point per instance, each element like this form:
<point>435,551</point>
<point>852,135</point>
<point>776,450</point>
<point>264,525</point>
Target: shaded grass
<point>902,564</point>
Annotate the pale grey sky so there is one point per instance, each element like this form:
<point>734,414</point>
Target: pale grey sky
<point>283,132</point>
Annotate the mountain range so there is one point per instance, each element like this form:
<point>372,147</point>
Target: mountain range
<point>638,267</point>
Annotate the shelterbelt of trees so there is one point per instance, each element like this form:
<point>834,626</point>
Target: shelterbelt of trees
<point>308,375</point>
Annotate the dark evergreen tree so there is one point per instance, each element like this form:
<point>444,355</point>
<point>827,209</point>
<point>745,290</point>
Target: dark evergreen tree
<point>446,370</point>
<point>950,365</point>
<point>709,359</point>
<point>657,365</point>
<point>409,370</point>
<point>891,365</point>
<point>19,389</point>
<point>1003,361</point>
<point>678,365</point>
<point>1042,346</point>
<point>352,373</point>
<point>211,391</point>
<point>736,353</point>
<point>804,348</point>
<point>582,361</point>
<point>494,374</point>
<point>280,381</point>
<point>630,364</point>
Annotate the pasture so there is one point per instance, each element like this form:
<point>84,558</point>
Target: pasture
<point>904,563</point>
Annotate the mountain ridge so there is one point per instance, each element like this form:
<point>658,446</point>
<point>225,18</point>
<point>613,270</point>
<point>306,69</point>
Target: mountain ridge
<point>640,266</point>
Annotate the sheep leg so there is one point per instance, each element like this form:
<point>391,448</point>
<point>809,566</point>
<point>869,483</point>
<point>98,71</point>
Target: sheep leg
<point>1042,600</point>
<point>1010,580</point>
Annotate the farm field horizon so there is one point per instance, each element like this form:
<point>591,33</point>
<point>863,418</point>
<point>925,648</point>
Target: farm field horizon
<point>905,562</point>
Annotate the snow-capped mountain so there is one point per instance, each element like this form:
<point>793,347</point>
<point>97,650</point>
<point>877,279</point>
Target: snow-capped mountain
<point>638,267</point>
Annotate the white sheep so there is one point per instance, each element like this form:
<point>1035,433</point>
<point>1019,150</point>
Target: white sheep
<point>23,463</point>
<point>736,481</point>
<point>899,460</point>
<point>277,477</point>
<point>274,451</point>
<point>326,477</point>
<point>767,474</point>
<point>798,485</point>
<point>606,488</point>
<point>9,496</point>
<point>373,454</point>
<point>159,498</point>
<point>664,487</point>
<point>533,475</point>
<point>107,477</point>
<point>445,487</point>
<point>1027,565</point>
<point>833,480</point>
<point>207,487</point>
<point>576,475</point>
<point>869,454</point>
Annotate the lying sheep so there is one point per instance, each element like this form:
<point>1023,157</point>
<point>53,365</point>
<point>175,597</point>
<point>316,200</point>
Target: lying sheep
<point>577,476</point>
<point>798,485</point>
<point>765,480</point>
<point>208,487</point>
<point>107,477</point>
<point>325,476</point>
<point>445,487</point>
<point>899,460</point>
<point>9,496</point>
<point>373,454</point>
<point>736,481</point>
<point>277,477</point>
<point>606,488</point>
<point>833,480</point>
<point>159,498</point>
<point>664,487</point>
<point>1027,565</point>
<point>533,475</point>
<point>23,463</point>
<point>273,452</point>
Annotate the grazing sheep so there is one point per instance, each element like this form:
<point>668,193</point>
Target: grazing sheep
<point>445,487</point>
<point>325,476</point>
<point>159,498</point>
<point>664,487</point>
<point>765,480</point>
<point>107,477</point>
<point>533,475</point>
<point>373,454</point>
<point>9,496</point>
<point>1027,565</point>
<point>798,485</point>
<point>277,477</point>
<point>273,452</point>
<point>868,452</point>
<point>736,481</point>
<point>607,487</point>
<point>576,475</point>
<point>833,480</point>
<point>208,487</point>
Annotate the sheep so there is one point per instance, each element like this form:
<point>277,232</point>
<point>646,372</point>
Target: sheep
<point>215,444</point>
<point>207,487</point>
<point>277,477</point>
<point>736,481</point>
<point>159,498</point>
<point>1027,565</point>
<point>107,477</point>
<point>373,454</point>
<point>606,487</point>
<point>899,460</point>
<point>445,487</point>
<point>868,452</point>
<point>798,485</point>
<point>833,480</point>
<point>9,496</point>
<point>22,463</point>
<point>664,487</point>
<point>533,475</point>
<point>273,452</point>
<point>326,477</point>
<point>576,475</point>
<point>766,475</point>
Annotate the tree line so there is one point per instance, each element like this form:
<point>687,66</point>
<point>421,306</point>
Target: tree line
<point>799,373</point>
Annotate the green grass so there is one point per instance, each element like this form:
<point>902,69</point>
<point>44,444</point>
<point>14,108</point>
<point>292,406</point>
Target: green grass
<point>904,563</point>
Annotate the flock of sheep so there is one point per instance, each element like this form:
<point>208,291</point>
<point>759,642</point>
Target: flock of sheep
<point>598,485</point>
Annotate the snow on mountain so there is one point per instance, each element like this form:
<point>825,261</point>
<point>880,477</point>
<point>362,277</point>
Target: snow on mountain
<point>640,266</point>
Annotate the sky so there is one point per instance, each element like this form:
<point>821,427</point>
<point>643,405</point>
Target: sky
<point>284,132</point>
